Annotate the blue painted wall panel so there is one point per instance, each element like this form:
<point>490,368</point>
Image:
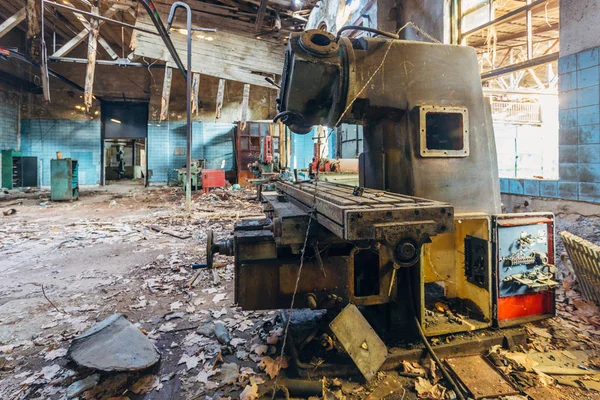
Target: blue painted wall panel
<point>167,145</point>
<point>302,149</point>
<point>74,139</point>
<point>9,122</point>
<point>579,132</point>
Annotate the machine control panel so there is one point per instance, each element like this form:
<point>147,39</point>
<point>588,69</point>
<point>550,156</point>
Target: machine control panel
<point>523,260</point>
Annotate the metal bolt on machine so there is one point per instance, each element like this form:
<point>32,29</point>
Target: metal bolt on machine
<point>424,236</point>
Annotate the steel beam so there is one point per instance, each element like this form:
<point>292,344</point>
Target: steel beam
<point>121,62</point>
<point>529,24</point>
<point>548,58</point>
<point>506,17</point>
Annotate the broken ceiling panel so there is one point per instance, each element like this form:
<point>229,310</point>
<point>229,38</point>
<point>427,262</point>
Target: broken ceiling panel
<point>222,54</point>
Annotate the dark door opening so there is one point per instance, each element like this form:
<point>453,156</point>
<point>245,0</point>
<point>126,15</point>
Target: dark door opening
<point>124,133</point>
<point>124,159</point>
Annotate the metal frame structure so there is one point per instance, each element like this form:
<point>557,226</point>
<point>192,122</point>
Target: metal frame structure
<point>521,60</point>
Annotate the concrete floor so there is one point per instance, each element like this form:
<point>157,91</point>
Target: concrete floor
<point>97,256</point>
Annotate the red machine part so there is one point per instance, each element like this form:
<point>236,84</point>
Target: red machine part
<point>532,304</point>
<point>212,178</point>
<point>267,149</point>
<point>525,305</point>
<point>324,165</point>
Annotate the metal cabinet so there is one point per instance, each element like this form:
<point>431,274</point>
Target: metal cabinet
<point>64,179</point>
<point>18,171</point>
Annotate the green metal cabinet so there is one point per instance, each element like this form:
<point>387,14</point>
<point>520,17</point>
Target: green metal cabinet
<point>64,179</point>
<point>8,157</point>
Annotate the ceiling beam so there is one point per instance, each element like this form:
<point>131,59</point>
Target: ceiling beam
<point>506,17</point>
<point>548,58</point>
<point>13,21</point>
<point>80,37</point>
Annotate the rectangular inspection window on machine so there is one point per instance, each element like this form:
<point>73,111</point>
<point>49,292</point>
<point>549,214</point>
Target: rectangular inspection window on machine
<point>444,131</point>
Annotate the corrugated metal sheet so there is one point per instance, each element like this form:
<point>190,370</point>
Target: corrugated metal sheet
<point>585,257</point>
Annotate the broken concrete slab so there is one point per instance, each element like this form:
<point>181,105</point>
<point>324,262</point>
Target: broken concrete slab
<point>81,386</point>
<point>114,344</point>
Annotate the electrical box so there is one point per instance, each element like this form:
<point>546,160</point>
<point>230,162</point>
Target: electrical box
<point>64,179</point>
<point>524,271</point>
<point>212,178</point>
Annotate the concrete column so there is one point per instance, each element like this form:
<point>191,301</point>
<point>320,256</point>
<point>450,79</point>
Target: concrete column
<point>579,100</point>
<point>432,16</point>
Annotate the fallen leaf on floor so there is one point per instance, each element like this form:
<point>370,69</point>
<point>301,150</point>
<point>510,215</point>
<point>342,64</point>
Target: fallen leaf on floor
<point>216,314</point>
<point>259,349</point>
<point>333,394</point>
<point>54,354</point>
<point>273,366</point>
<point>585,308</point>
<point>245,373</point>
<point>145,384</point>
<point>50,371</point>
<point>250,392</point>
<point>229,373</point>
<point>433,371</point>
<point>190,361</point>
<point>426,390</point>
<point>174,315</point>
<point>219,297</point>
<point>414,368</point>
<point>176,306</point>
<point>235,342</point>
<point>540,332</point>
<point>139,305</point>
<point>520,358</point>
<point>206,373</point>
<point>168,327</point>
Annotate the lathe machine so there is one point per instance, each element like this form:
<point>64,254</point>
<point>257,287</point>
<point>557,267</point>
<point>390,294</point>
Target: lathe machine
<point>423,233</point>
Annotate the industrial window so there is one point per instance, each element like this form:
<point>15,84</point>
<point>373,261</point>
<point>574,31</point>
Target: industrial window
<point>444,131</point>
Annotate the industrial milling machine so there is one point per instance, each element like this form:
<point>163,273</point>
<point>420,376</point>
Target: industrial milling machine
<point>422,236</point>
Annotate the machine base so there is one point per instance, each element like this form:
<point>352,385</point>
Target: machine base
<point>462,344</point>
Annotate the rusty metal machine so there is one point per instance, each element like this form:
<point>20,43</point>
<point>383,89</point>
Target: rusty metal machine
<point>268,162</point>
<point>422,235</point>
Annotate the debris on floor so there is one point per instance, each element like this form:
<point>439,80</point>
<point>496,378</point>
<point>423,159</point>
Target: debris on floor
<point>113,344</point>
<point>97,262</point>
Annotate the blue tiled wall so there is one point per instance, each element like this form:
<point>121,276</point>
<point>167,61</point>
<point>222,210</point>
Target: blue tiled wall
<point>579,134</point>
<point>9,122</point>
<point>217,149</point>
<point>302,149</point>
<point>75,139</point>
<point>167,143</point>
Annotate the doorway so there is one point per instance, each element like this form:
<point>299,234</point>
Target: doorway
<point>124,138</point>
<point>124,159</point>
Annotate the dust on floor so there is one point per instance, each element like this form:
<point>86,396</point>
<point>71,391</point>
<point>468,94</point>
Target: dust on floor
<point>66,266</point>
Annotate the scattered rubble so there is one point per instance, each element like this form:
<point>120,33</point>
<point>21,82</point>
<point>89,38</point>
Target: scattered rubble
<point>113,344</point>
<point>208,347</point>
